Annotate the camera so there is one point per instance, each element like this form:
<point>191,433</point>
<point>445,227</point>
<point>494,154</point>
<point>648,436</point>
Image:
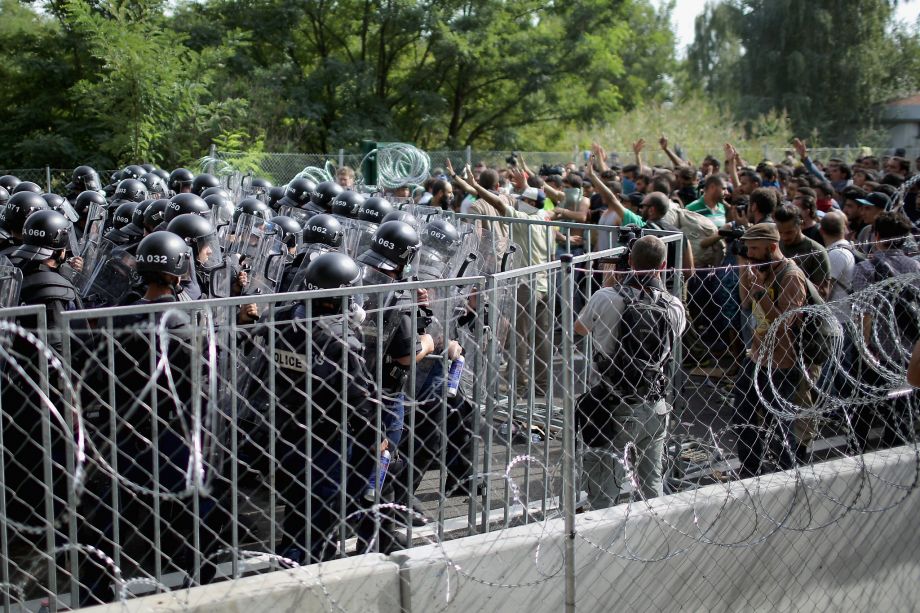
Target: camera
<point>546,170</point>
<point>627,235</point>
<point>732,233</point>
<point>512,159</point>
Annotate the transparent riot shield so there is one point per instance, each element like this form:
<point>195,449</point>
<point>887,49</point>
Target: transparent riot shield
<point>358,237</point>
<point>423,213</point>
<point>92,259</point>
<point>10,282</point>
<point>92,235</point>
<point>219,280</point>
<point>222,219</point>
<point>111,280</point>
<point>265,273</point>
<point>253,236</point>
<point>310,251</point>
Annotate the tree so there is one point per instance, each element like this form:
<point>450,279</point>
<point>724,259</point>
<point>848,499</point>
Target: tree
<point>150,85</point>
<point>828,64</point>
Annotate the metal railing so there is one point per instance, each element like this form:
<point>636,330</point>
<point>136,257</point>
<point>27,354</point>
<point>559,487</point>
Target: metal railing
<point>179,447</point>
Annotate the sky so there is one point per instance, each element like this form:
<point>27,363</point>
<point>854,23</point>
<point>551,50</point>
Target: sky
<point>685,12</point>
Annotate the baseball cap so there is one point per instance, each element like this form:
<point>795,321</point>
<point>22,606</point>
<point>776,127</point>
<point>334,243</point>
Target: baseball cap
<point>762,232</point>
<point>878,199</point>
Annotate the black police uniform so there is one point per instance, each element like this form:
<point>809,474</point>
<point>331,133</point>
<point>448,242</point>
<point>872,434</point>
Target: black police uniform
<point>161,466</point>
<point>320,422</point>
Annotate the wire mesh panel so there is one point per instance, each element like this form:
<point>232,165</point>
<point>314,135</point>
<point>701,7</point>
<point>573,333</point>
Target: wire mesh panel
<point>155,447</point>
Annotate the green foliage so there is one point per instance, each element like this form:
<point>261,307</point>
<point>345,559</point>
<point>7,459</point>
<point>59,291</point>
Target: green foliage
<point>696,125</point>
<point>828,64</point>
<point>115,81</point>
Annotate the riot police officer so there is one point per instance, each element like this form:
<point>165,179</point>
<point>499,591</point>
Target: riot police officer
<point>13,217</point>
<point>84,178</point>
<point>313,360</point>
<point>321,233</point>
<point>46,237</point>
<point>153,432</point>
<point>180,181</point>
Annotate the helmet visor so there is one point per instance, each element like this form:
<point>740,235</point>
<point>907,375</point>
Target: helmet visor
<point>209,253</point>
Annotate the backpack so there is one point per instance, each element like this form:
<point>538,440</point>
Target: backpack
<point>696,227</point>
<point>645,341</point>
<point>858,256</point>
<point>815,336</point>
<point>904,304</point>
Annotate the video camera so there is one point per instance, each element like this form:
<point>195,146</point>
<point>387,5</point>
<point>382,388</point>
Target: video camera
<point>512,159</point>
<point>547,170</point>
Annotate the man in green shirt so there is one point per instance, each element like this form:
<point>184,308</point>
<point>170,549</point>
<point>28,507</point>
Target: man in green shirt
<point>613,203</point>
<point>809,255</point>
<point>710,203</point>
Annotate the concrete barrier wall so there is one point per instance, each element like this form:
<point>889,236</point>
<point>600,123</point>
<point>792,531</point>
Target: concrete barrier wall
<point>368,583</point>
<point>841,536</point>
<point>819,544</point>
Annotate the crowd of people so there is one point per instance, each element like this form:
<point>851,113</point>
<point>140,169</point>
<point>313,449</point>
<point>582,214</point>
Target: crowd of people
<point>758,242</point>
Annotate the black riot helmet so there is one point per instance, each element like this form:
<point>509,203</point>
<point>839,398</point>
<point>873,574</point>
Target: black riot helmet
<point>198,233</point>
<point>19,208</point>
<point>347,204</point>
<point>123,214</point>
<point>275,194</point>
<point>332,270</point>
<point>9,182</point>
<point>27,186</point>
<point>181,204</point>
<point>217,190</point>
<point>60,204</point>
<point>163,252</point>
<point>404,216</point>
<point>156,186</point>
<point>84,178</point>
<point>148,167</point>
<point>190,226</point>
<point>203,182</point>
<point>392,247</point>
<point>323,229</point>
<point>374,209</point>
<point>4,196</point>
<point>137,218</point>
<point>325,193</point>
<point>441,236</point>
<point>130,190</point>
<point>290,229</point>
<point>258,186</point>
<point>154,214</point>
<point>180,180</point>
<point>162,174</point>
<point>43,233</point>
<point>87,199</point>
<point>297,193</point>
<point>252,206</point>
<point>132,172</point>
<point>53,200</point>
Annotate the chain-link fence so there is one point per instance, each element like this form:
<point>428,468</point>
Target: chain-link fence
<point>152,447</point>
<point>52,180</point>
<point>282,167</point>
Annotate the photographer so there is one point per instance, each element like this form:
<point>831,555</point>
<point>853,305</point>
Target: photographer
<point>634,326</point>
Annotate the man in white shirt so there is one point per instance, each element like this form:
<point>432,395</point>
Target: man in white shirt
<point>840,253</point>
<point>622,419</point>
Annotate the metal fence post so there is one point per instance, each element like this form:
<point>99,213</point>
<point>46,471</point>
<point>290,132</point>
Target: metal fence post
<point>341,157</point>
<point>213,155</point>
<point>469,154</point>
<point>48,178</point>
<point>568,428</point>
